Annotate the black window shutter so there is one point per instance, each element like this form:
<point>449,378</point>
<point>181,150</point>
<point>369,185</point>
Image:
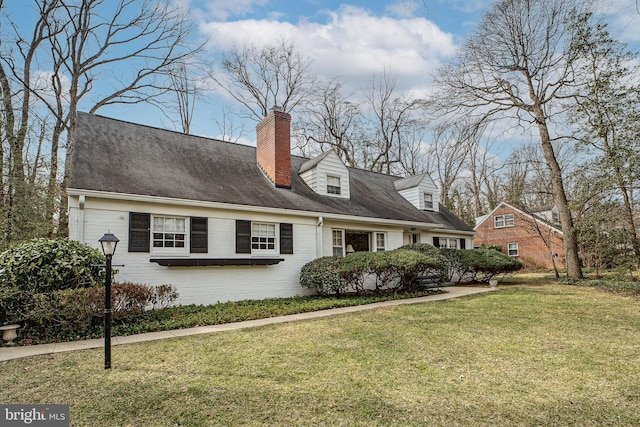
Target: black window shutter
<point>436,242</point>
<point>199,239</point>
<point>139,231</point>
<point>243,237</point>
<point>286,238</point>
<point>463,243</point>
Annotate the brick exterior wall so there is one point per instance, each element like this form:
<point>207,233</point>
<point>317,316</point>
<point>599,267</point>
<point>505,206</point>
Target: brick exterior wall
<point>273,147</point>
<point>532,250</point>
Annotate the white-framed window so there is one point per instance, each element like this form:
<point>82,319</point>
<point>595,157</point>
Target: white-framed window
<point>263,237</point>
<point>505,220</point>
<point>333,185</point>
<point>381,242</point>
<point>428,201</point>
<point>169,233</point>
<point>446,243</point>
<point>512,249</point>
<point>337,237</point>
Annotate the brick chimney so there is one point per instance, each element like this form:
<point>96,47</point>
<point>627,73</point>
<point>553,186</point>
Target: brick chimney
<point>273,151</point>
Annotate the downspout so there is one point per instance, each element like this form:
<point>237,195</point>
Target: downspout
<point>80,224</point>
<point>319,226</point>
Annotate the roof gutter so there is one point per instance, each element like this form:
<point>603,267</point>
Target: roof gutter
<point>248,208</point>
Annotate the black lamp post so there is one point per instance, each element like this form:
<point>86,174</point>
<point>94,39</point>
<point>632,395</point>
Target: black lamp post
<point>108,243</point>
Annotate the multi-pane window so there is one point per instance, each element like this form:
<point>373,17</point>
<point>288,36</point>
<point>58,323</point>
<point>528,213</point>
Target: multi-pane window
<point>263,237</point>
<point>445,243</point>
<point>169,232</point>
<point>505,220</point>
<point>428,200</point>
<point>512,249</point>
<point>380,242</point>
<point>333,185</point>
<point>338,242</point>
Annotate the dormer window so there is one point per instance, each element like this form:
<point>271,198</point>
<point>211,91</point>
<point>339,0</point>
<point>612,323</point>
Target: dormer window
<point>326,175</point>
<point>333,185</point>
<point>428,201</point>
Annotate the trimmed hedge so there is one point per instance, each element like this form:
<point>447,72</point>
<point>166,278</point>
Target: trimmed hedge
<point>362,272</point>
<point>323,276</point>
<point>403,269</point>
<point>483,264</point>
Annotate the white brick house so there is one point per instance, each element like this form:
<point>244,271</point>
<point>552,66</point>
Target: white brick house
<point>223,221</point>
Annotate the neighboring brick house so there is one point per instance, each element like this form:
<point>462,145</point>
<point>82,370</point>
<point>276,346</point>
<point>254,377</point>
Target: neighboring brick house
<point>528,237</point>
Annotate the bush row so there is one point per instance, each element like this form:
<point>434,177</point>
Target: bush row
<point>79,312</point>
<point>361,272</point>
<point>403,269</point>
<point>54,288</point>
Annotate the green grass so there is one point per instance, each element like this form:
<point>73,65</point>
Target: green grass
<point>526,355</point>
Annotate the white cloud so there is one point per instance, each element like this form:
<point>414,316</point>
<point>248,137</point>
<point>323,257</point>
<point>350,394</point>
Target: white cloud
<point>351,43</point>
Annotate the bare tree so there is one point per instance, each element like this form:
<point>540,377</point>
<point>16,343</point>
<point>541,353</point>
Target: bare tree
<point>448,154</point>
<point>186,91</point>
<point>228,127</point>
<point>130,46</point>
<point>15,84</point>
<point>259,78</point>
<point>518,63</point>
<point>329,121</point>
<point>394,119</point>
<point>384,132</point>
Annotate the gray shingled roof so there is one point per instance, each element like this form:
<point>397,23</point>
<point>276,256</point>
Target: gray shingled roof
<point>115,156</point>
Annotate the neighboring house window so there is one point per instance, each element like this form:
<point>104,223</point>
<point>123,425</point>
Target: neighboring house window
<point>263,237</point>
<point>337,237</point>
<point>447,243</point>
<point>380,242</point>
<point>555,217</point>
<point>415,238</point>
<point>169,232</point>
<point>512,249</point>
<point>505,220</point>
<point>259,237</point>
<point>428,201</point>
<point>333,185</point>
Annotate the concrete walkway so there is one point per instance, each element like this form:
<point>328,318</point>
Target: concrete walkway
<point>9,353</point>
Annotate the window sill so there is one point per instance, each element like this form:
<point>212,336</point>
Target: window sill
<point>205,262</point>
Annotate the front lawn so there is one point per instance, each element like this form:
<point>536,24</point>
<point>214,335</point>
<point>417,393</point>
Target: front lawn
<point>526,355</point>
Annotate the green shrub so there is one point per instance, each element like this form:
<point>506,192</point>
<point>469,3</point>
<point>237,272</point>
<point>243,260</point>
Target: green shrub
<point>42,266</point>
<point>455,263</point>
<point>483,264</point>
<point>322,275</point>
<point>47,265</point>
<point>356,269</point>
<point>438,268</point>
<point>363,272</point>
<point>79,312</point>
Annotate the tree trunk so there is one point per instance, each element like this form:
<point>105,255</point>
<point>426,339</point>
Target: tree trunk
<point>572,258</point>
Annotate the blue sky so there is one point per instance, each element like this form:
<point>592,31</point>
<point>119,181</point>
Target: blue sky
<point>352,39</point>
